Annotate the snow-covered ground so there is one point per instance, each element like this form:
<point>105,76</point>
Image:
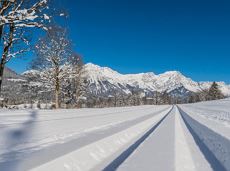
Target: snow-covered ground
<point>56,132</point>
<point>183,138</point>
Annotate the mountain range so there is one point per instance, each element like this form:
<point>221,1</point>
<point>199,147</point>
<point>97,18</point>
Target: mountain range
<point>105,82</point>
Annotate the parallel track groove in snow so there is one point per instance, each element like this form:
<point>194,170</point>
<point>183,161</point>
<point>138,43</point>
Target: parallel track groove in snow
<point>187,137</point>
<point>94,136</point>
<point>124,155</point>
<point>98,154</point>
<point>31,158</point>
<point>209,155</point>
<point>183,156</point>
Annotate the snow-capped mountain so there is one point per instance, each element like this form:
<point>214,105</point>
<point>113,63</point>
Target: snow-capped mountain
<point>104,81</point>
<point>10,74</point>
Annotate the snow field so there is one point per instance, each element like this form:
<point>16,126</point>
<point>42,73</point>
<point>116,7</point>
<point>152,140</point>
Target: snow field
<point>190,137</point>
<point>26,132</point>
<point>94,154</point>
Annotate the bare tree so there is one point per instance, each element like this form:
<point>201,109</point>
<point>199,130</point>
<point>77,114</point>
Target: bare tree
<point>76,83</point>
<point>81,82</point>
<point>17,17</point>
<point>53,54</point>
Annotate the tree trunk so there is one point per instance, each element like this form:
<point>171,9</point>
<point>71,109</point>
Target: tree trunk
<point>1,31</point>
<point>57,93</point>
<point>5,50</point>
<point>2,66</point>
<point>5,54</point>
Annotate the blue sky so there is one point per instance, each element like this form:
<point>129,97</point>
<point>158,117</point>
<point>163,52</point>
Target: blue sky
<point>191,36</point>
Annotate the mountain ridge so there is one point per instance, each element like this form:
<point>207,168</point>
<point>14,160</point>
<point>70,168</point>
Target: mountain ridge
<point>105,82</point>
<point>167,81</point>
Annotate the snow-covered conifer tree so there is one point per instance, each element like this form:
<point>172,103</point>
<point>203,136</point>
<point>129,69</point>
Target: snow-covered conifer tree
<point>214,92</point>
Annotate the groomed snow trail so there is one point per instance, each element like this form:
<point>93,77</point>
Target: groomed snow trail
<point>157,151</point>
<point>96,155</point>
<point>214,146</point>
<point>183,156</point>
<point>170,147</point>
<point>31,138</point>
<point>194,137</point>
<point>187,154</point>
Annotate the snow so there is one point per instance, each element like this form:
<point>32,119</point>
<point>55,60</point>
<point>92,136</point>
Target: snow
<point>156,152</point>
<point>222,86</point>
<point>16,80</point>
<point>103,80</point>
<point>24,132</point>
<point>189,137</point>
<point>167,81</point>
<point>31,72</point>
<point>183,156</point>
<point>89,156</point>
<point>167,148</point>
<point>26,17</point>
<point>171,80</point>
<point>214,132</point>
<point>46,17</point>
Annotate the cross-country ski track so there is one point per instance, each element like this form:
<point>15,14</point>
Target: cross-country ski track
<point>192,137</point>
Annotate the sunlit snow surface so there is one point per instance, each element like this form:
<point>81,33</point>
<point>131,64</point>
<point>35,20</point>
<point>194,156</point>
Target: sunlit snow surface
<point>185,137</point>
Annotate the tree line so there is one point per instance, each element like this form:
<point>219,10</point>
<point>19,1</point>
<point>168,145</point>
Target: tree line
<point>213,93</point>
<point>157,98</point>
